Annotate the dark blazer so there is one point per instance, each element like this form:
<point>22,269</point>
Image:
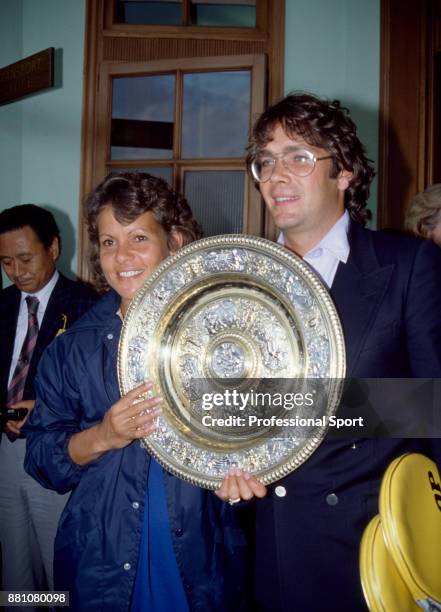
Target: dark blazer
<point>68,298</point>
<point>388,295</point>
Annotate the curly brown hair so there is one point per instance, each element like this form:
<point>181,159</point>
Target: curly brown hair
<point>324,124</point>
<point>131,194</point>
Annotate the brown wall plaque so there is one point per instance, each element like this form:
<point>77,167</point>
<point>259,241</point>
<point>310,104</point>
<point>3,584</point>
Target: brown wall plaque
<point>27,76</point>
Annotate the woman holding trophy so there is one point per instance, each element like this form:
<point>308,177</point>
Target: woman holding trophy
<point>132,536</point>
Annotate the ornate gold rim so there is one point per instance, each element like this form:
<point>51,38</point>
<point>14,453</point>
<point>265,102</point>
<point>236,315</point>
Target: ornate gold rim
<point>330,321</point>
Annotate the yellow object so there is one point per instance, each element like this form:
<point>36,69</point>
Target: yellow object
<point>410,511</point>
<point>383,587</point>
<point>62,329</point>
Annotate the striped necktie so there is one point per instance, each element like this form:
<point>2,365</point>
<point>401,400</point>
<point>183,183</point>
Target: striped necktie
<point>17,385</point>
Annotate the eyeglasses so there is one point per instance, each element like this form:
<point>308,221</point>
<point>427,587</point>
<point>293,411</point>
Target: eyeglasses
<point>300,162</point>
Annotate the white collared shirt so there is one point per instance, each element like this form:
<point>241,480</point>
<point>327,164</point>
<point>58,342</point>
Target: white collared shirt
<point>332,249</point>
<point>22,322</point>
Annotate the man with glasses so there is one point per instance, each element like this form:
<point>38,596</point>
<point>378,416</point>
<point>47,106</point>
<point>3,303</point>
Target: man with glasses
<point>314,176</point>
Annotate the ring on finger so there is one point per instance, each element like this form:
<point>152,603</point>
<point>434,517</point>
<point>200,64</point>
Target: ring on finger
<point>236,500</point>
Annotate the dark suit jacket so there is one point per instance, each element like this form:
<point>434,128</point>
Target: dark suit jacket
<point>68,298</point>
<point>388,295</point>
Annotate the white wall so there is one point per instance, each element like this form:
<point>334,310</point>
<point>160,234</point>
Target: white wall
<point>10,114</point>
<point>40,136</point>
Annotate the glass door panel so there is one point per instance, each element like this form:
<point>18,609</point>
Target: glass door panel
<point>143,111</point>
<point>223,13</point>
<point>216,199</point>
<point>187,121</point>
<point>144,12</point>
<point>216,114</point>
<point>218,13</point>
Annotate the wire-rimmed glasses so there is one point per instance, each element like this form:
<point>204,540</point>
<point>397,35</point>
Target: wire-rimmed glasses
<point>297,160</point>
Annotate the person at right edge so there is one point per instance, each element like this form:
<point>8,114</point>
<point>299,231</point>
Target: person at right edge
<point>314,176</point>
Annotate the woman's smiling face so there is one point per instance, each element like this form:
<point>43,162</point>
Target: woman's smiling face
<point>129,253</point>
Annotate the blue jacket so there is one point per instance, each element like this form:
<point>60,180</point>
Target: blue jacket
<point>97,545</point>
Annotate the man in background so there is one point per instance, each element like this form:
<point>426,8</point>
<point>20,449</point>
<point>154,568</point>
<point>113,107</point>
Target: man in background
<point>40,304</point>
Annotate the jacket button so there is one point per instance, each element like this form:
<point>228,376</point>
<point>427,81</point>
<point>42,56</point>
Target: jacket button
<point>280,491</point>
<point>109,336</point>
<point>332,499</point>
<point>135,506</point>
<point>127,566</point>
<point>179,532</point>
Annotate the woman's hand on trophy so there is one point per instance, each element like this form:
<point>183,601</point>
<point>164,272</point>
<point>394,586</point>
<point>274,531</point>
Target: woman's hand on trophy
<point>129,418</point>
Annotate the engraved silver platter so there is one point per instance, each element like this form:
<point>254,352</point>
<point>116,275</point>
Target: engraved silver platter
<point>232,317</point>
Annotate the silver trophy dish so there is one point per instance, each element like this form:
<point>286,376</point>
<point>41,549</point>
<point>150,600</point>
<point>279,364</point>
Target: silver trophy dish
<point>234,316</point>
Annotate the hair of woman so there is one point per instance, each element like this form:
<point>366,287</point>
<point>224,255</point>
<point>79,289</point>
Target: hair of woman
<point>131,194</point>
<point>424,212</point>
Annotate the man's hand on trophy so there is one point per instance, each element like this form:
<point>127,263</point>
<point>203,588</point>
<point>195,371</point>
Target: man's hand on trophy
<point>240,486</point>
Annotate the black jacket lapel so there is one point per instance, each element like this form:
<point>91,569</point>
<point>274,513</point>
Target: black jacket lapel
<point>358,289</point>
